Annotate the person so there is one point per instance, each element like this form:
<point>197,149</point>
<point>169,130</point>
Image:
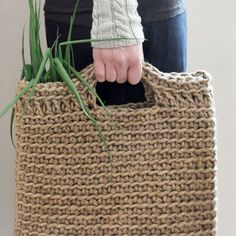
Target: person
<point>118,63</point>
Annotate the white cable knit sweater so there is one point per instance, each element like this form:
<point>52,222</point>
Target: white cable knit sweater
<point>116,19</point>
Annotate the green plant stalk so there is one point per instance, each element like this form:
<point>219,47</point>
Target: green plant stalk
<point>32,39</point>
<point>93,40</point>
<point>72,56</point>
<point>66,78</point>
<point>36,71</point>
<point>78,75</point>
<point>52,68</point>
<point>18,96</point>
<point>63,73</point>
<point>102,138</point>
<point>93,92</point>
<point>38,76</point>
<point>56,42</point>
<point>86,41</point>
<point>11,125</point>
<point>25,74</point>
<point>35,47</point>
<point>85,82</point>
<point>29,71</point>
<point>68,47</point>
<point>38,32</point>
<point>27,68</point>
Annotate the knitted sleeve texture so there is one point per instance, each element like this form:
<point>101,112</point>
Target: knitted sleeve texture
<point>116,19</point>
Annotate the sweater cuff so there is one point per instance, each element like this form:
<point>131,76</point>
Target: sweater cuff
<point>114,19</point>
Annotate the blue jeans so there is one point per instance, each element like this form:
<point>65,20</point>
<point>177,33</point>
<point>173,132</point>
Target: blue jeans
<point>165,48</point>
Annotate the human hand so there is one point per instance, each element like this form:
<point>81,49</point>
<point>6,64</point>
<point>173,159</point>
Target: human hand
<point>119,64</point>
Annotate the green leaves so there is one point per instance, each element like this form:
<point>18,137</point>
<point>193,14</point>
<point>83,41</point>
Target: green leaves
<point>60,68</point>
<point>18,96</point>
<point>34,38</point>
<point>69,49</point>
<point>85,82</point>
<point>39,74</point>
<point>66,78</point>
<point>11,126</point>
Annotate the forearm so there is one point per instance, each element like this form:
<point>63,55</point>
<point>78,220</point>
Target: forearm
<point>116,19</point>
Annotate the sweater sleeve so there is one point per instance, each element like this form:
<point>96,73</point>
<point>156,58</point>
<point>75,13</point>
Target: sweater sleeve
<point>116,19</point>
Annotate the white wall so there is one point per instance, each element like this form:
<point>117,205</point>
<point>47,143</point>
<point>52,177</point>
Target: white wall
<point>13,17</point>
<point>212,47</point>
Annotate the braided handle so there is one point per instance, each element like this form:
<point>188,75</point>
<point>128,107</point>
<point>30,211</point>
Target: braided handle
<point>89,74</point>
<point>165,89</point>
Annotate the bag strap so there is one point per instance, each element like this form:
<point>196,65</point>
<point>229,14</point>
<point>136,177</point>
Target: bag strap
<point>164,89</point>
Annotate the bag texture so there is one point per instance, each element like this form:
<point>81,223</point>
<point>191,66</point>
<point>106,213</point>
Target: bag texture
<point>163,160</point>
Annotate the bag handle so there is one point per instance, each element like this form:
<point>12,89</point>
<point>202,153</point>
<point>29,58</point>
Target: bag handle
<point>163,89</point>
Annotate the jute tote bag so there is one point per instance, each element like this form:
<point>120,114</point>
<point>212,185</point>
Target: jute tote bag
<point>163,160</point>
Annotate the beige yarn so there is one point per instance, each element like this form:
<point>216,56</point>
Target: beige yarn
<point>163,153</point>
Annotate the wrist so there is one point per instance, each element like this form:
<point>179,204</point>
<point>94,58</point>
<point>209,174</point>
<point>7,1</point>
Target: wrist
<point>116,19</point>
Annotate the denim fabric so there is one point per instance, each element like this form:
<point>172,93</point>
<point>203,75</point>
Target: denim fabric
<point>165,48</point>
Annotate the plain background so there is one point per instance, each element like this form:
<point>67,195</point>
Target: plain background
<point>212,47</point>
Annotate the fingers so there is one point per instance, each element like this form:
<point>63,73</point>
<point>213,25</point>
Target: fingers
<point>118,64</point>
<point>110,72</point>
<point>136,66</point>
<point>122,70</point>
<point>99,70</point>
<point>135,74</point>
<point>104,71</point>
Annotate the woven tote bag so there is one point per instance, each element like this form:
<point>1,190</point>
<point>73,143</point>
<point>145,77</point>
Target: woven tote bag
<point>163,160</point>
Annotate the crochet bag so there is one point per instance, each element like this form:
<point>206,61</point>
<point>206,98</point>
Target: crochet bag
<point>163,160</point>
